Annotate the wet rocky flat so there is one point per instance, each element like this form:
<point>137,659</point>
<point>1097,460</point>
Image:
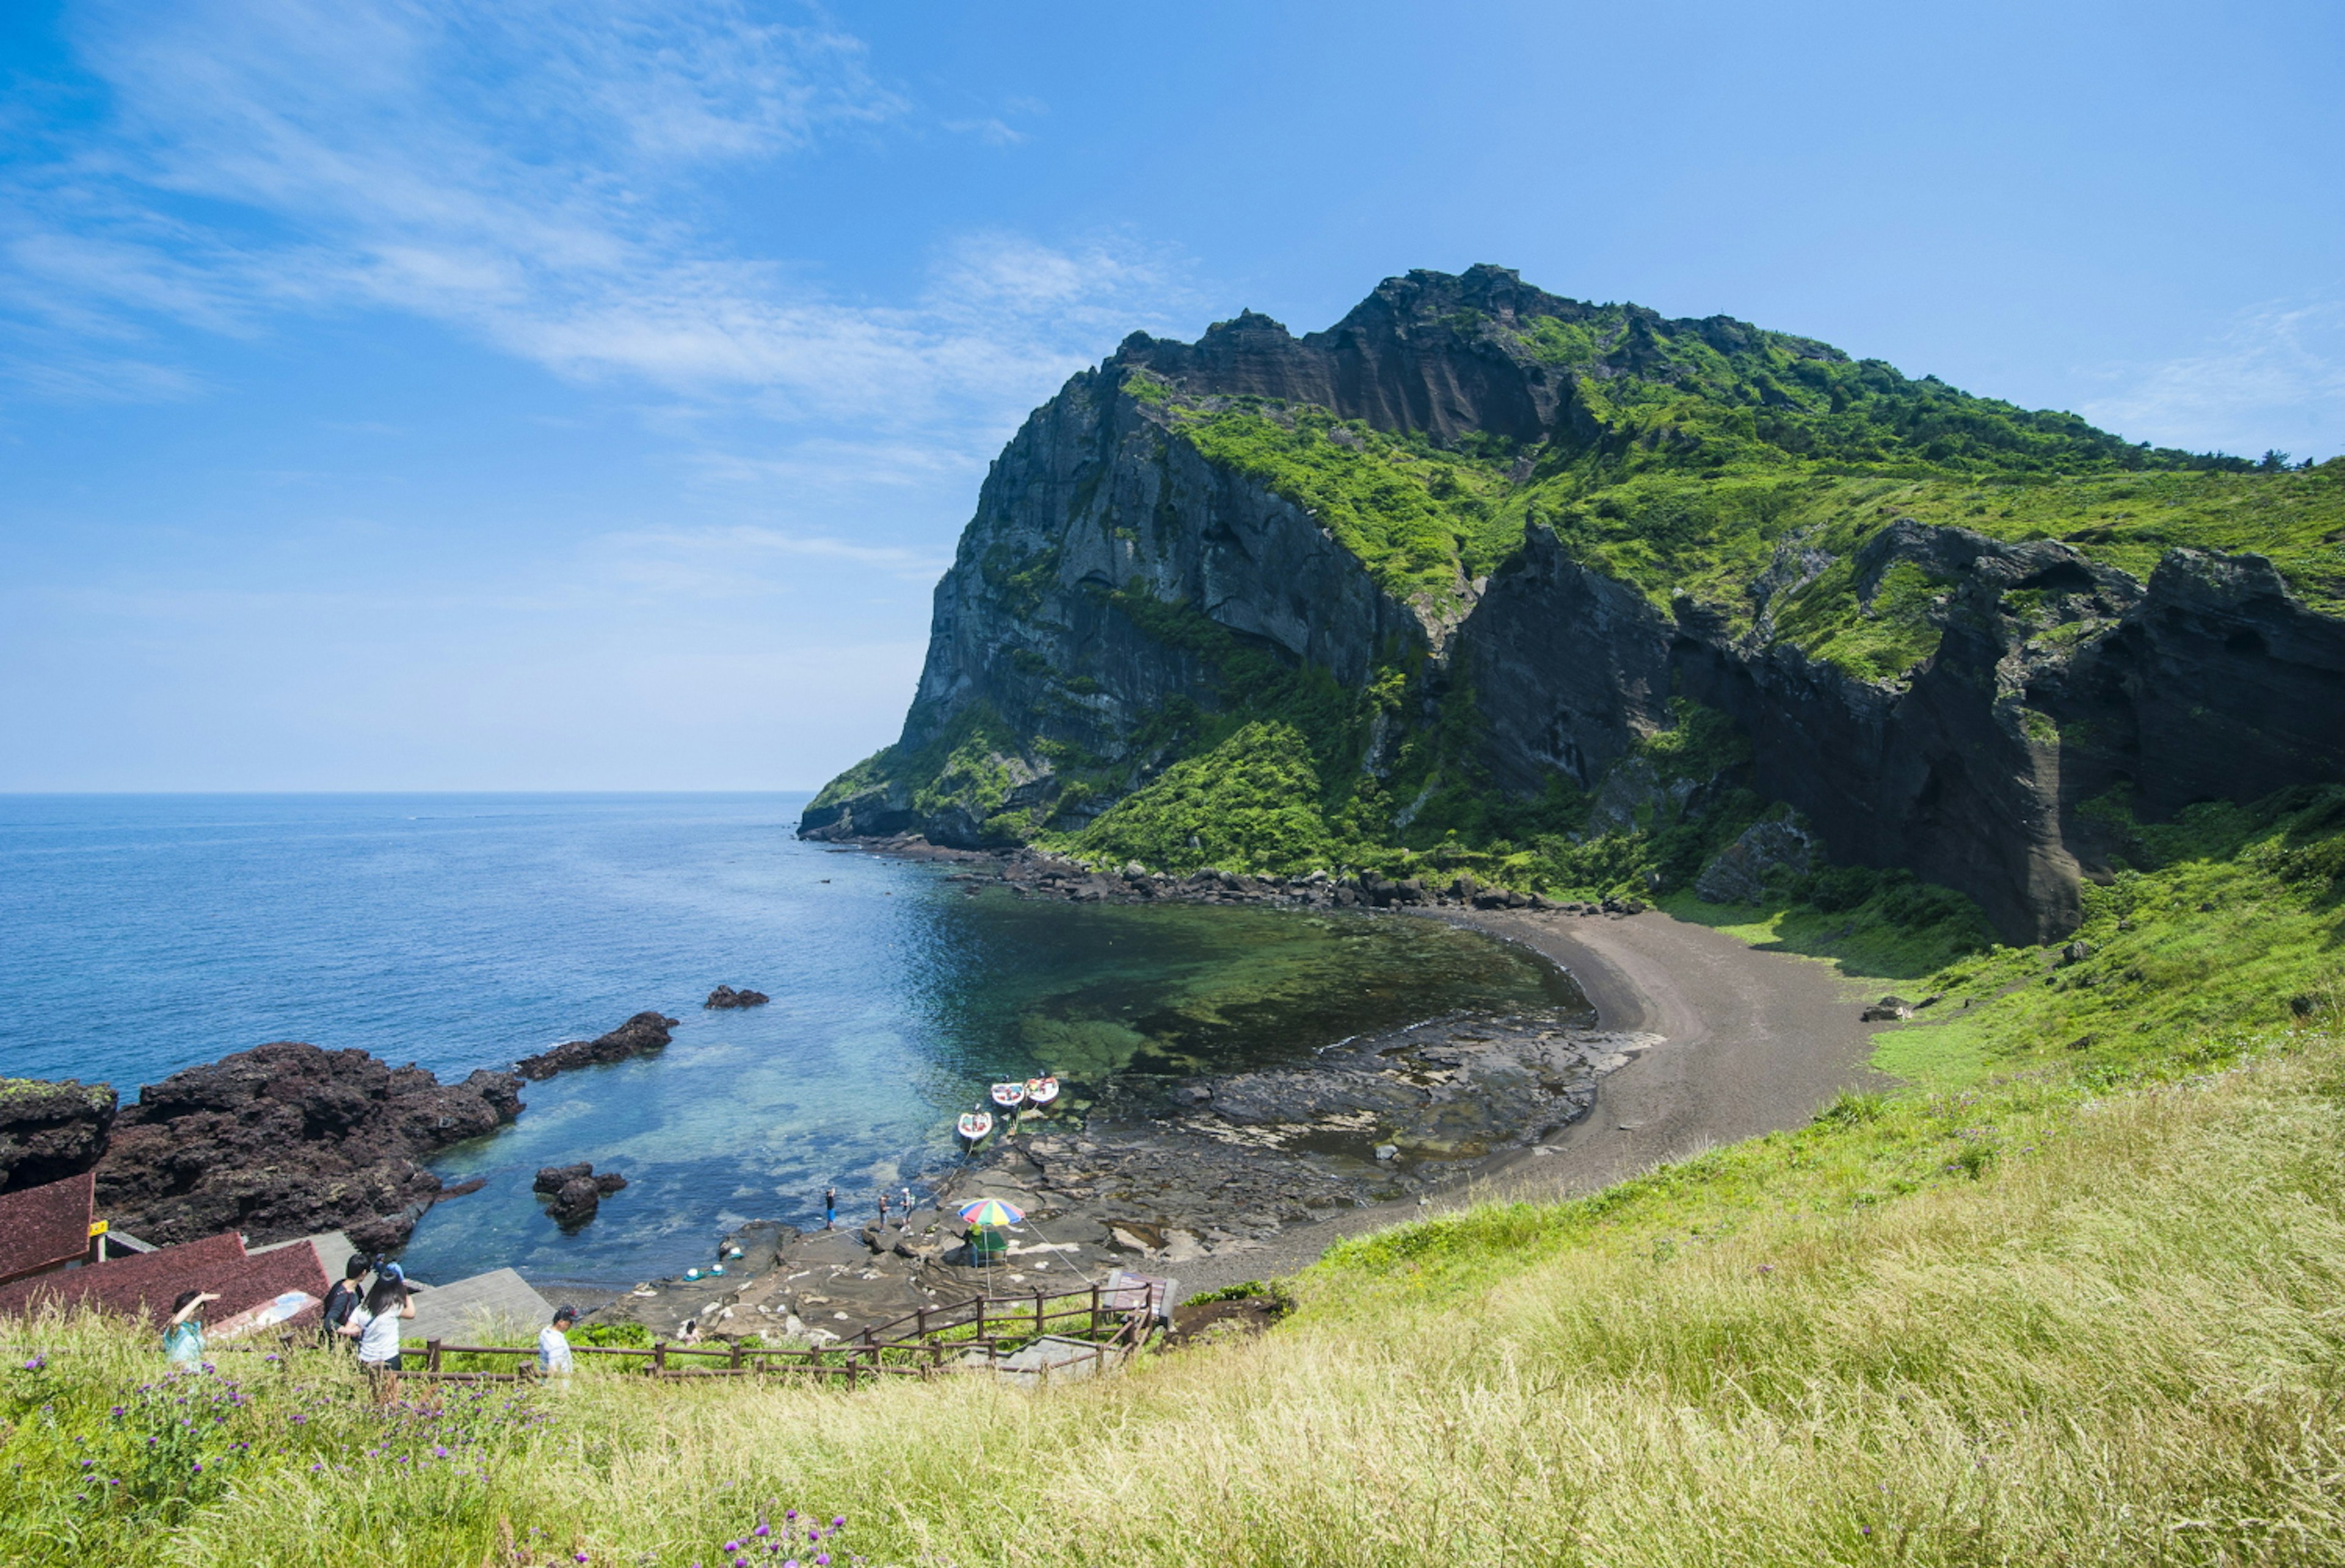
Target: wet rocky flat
<point>1163,1172</point>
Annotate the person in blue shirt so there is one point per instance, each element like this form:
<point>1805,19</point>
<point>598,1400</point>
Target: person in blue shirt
<point>183,1339</point>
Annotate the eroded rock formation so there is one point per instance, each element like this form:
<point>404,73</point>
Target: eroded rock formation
<point>286,1140</point>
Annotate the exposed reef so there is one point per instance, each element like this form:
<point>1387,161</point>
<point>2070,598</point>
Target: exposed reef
<point>574,1193</point>
<point>286,1140</point>
<point>639,1035</point>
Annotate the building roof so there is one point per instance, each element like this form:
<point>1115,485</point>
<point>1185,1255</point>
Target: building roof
<point>145,1285</point>
<point>45,1227</point>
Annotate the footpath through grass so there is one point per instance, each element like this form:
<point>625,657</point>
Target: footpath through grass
<point>2050,1305</point>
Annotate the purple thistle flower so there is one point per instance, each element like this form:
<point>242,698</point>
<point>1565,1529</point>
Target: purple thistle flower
<point>839,1521</point>
<point>763,1529</point>
<point>790,1513</point>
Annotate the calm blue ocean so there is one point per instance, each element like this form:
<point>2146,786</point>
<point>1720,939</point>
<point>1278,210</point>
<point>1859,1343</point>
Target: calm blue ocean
<point>140,935</point>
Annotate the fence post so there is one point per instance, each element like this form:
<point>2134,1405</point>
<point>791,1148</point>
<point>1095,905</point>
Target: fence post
<point>980,1317</point>
<point>1037,1311</point>
<point>1095,1311</point>
<point>431,1356</point>
<point>736,1355</point>
<point>659,1357</point>
<point>921,1330</point>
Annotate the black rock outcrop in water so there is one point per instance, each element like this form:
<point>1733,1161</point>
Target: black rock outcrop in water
<point>286,1140</point>
<point>575,1192</point>
<point>639,1035</point>
<point>726,997</point>
<point>1121,564</point>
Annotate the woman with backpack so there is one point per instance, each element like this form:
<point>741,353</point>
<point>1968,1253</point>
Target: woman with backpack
<point>375,1326</point>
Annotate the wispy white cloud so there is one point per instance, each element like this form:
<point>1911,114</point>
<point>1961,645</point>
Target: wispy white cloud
<point>531,174</point>
<point>2276,380</point>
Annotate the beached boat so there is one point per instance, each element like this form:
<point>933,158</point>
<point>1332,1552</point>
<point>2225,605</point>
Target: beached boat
<point>1010,1097</point>
<point>1041,1092</point>
<point>974,1125</point>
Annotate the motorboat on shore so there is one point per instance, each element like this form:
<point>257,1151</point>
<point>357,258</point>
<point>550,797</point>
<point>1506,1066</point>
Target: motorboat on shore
<point>1009,1096</point>
<point>1041,1091</point>
<point>973,1125</point>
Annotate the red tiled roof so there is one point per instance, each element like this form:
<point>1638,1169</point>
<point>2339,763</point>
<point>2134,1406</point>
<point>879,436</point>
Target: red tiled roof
<point>146,1286</point>
<point>42,1227</point>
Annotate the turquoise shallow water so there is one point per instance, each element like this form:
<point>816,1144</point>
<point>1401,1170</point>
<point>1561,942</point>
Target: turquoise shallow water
<point>143,934</point>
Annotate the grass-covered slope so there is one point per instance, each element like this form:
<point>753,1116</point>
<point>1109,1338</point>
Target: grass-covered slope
<point>2057,1306</point>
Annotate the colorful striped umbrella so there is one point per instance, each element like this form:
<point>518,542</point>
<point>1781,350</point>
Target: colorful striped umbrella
<point>990,1211</point>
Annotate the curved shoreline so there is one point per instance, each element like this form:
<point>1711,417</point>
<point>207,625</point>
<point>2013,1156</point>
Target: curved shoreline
<point>1751,1043</point>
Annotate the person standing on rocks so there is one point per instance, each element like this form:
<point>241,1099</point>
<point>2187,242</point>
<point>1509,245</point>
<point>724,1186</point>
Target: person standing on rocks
<point>183,1340</point>
<point>883,1209</point>
<point>830,1209</point>
<point>375,1326</point>
<point>344,1298</point>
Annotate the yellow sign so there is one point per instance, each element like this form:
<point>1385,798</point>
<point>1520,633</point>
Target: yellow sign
<point>98,1228</point>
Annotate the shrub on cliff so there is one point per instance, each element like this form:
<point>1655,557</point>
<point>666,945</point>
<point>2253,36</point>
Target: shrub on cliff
<point>1251,803</point>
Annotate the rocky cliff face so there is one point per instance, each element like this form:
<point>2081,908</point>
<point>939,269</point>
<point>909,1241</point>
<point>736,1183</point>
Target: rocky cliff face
<point>1936,695</point>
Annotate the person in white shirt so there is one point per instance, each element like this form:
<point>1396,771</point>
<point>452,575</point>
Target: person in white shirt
<point>554,1344</point>
<point>375,1326</point>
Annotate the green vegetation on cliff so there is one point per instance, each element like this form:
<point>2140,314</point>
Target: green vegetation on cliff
<point>1422,521</point>
<point>1721,394</point>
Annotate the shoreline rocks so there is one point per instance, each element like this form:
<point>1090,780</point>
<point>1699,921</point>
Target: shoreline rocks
<point>639,1035</point>
<point>1035,874</point>
<point>1163,1172</point>
<point>51,1130</point>
<point>286,1140</point>
<point>576,1193</point>
<point>726,997</point>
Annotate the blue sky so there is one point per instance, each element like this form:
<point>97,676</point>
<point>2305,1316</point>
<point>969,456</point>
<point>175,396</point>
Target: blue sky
<point>398,394</point>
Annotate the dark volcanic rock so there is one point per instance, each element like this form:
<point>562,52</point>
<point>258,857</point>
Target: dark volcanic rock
<point>49,1131</point>
<point>286,1140</point>
<point>644,1032</point>
<point>576,1191</point>
<point>726,997</point>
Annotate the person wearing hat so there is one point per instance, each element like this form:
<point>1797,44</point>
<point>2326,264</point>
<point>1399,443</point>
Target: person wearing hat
<point>554,1344</point>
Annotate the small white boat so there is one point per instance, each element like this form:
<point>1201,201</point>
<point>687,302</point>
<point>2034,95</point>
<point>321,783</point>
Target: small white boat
<point>1041,1091</point>
<point>1009,1096</point>
<point>974,1125</point>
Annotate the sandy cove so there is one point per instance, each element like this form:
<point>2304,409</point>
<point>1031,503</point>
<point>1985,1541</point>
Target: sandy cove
<point>1696,1040</point>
